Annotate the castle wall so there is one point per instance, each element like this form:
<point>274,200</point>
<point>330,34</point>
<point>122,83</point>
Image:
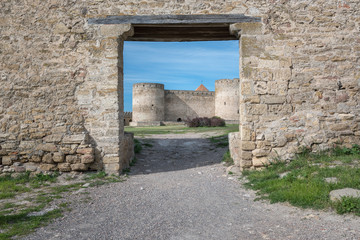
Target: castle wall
<point>148,102</point>
<point>227,99</point>
<point>61,79</point>
<point>188,104</point>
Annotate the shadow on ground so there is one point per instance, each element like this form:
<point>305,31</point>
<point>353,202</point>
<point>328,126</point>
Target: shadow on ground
<point>175,154</point>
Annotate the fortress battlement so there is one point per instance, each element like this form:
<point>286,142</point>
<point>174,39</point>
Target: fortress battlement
<point>128,114</point>
<point>193,93</point>
<point>227,81</point>
<point>148,85</point>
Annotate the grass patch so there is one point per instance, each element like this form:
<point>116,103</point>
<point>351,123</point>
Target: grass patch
<point>220,141</point>
<point>303,183</point>
<point>21,224</point>
<point>10,186</point>
<point>137,146</point>
<point>14,218</point>
<point>178,129</point>
<point>227,159</point>
<point>348,205</point>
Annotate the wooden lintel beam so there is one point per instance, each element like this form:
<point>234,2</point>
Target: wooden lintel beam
<point>175,19</point>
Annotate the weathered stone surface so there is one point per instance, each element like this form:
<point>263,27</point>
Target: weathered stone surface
<point>260,162</point>
<point>64,167</point>
<point>78,138</point>
<point>19,169</point>
<point>72,159</point>
<point>247,145</point>
<point>6,161</point>
<point>260,152</point>
<point>336,195</point>
<point>58,157</point>
<point>53,138</point>
<point>35,159</point>
<point>47,147</point>
<point>79,167</point>
<point>85,151</point>
<point>87,158</point>
<point>234,144</point>
<point>47,158</point>
<point>274,99</point>
<point>48,167</point>
<point>31,167</point>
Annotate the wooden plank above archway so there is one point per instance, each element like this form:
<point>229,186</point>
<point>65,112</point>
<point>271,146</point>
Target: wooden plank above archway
<point>178,28</point>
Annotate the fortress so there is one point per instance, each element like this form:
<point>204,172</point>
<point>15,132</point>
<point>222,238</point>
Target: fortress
<point>152,105</point>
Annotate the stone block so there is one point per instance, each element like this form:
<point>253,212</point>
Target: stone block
<point>85,151</point>
<point>53,138</point>
<point>246,88</point>
<point>273,99</point>
<point>258,109</point>
<point>260,153</point>
<point>116,30</point>
<point>79,167</point>
<point>260,162</point>
<point>47,147</point>
<point>48,167</point>
<point>245,133</point>
<point>31,167</point>
<point>246,155</point>
<point>64,167</point>
<point>112,168</point>
<point>336,195</point>
<point>35,159</point>
<point>60,28</point>
<point>27,144</point>
<point>234,146</point>
<point>247,145</point>
<point>7,161</point>
<point>58,157</point>
<point>87,158</point>
<point>47,158</point>
<point>72,159</point>
<point>76,138</point>
<point>109,159</point>
<point>339,127</point>
<point>19,169</point>
<point>261,87</point>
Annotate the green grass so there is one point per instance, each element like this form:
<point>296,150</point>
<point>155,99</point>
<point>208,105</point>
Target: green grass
<point>177,129</point>
<point>21,224</point>
<point>137,146</point>
<point>304,184</point>
<point>220,141</point>
<point>9,186</point>
<point>14,219</point>
<point>227,159</point>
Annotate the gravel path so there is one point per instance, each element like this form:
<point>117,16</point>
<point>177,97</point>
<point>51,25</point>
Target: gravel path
<point>178,190</point>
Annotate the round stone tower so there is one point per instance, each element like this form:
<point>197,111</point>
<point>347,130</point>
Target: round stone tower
<point>148,102</point>
<point>227,99</point>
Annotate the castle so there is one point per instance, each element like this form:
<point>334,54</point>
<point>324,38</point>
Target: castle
<point>153,105</point>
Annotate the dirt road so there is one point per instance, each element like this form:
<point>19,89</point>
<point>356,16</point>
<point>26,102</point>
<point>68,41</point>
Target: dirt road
<point>178,190</point>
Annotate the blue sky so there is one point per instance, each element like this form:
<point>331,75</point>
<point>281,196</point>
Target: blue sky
<point>178,65</point>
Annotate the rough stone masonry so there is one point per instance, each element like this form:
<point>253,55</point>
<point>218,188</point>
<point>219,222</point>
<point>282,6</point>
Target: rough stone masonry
<point>61,78</point>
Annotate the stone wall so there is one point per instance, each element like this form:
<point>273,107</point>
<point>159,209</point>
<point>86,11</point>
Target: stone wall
<point>188,104</point>
<point>127,118</point>
<point>227,99</point>
<point>61,78</point>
